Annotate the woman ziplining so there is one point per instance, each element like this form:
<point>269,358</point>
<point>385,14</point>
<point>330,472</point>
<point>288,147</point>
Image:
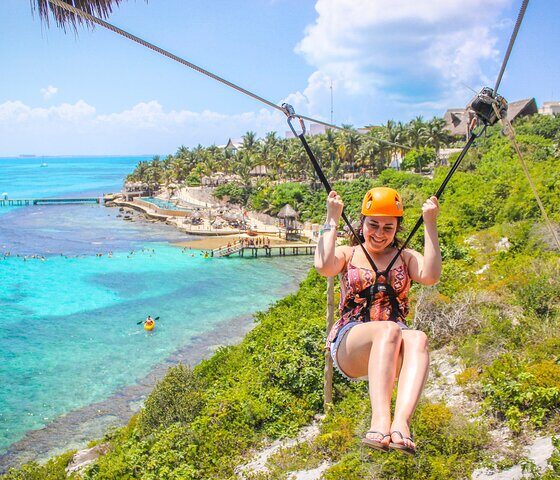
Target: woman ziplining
<point>371,339</point>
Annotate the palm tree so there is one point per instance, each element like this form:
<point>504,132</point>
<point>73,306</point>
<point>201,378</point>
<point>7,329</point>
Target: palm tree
<point>250,142</point>
<point>417,132</point>
<point>63,18</point>
<point>179,167</point>
<point>265,149</point>
<point>436,133</point>
<point>349,143</point>
<point>329,148</point>
<point>374,152</point>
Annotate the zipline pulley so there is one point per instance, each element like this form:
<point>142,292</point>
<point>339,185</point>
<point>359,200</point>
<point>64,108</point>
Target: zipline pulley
<point>482,106</point>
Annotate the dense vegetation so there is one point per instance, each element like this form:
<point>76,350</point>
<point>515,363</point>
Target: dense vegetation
<point>497,309</point>
<point>339,152</point>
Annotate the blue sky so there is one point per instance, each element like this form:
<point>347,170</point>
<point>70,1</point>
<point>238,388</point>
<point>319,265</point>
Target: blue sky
<point>98,93</point>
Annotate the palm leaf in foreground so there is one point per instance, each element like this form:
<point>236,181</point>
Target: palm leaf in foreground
<point>63,18</point>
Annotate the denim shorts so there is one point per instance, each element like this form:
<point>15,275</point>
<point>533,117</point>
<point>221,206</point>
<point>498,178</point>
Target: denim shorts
<point>336,343</point>
<point>334,350</point>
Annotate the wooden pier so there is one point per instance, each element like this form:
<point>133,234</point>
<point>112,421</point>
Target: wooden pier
<point>22,202</point>
<point>265,251</point>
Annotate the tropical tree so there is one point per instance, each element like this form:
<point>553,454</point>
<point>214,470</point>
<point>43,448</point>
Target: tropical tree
<point>63,18</point>
<point>417,132</point>
<point>349,143</point>
<point>250,142</point>
<point>419,158</point>
<point>330,151</point>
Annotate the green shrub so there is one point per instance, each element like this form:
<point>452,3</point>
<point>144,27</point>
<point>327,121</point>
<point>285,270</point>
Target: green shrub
<point>177,398</point>
<point>350,467</point>
<point>52,470</point>
<point>418,158</point>
<point>467,376</point>
<point>545,374</point>
<point>301,456</point>
<point>511,390</point>
<point>539,295</point>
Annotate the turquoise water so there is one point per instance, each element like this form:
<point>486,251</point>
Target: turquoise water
<point>25,178</point>
<point>75,280</point>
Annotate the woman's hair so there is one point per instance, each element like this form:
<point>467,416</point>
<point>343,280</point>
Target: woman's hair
<point>397,242</point>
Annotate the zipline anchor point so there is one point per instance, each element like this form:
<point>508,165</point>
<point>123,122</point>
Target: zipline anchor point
<point>291,114</point>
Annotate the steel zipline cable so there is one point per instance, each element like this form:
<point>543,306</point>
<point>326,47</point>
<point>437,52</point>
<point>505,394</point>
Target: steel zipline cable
<point>511,43</point>
<point>95,20</point>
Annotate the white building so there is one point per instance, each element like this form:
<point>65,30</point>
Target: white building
<point>312,130</point>
<point>233,145</point>
<point>550,108</point>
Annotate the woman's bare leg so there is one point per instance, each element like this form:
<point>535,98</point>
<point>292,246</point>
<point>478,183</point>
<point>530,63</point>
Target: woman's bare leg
<point>413,375</point>
<point>372,349</point>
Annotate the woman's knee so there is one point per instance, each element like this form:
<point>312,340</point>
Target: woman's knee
<point>416,339</point>
<point>386,331</point>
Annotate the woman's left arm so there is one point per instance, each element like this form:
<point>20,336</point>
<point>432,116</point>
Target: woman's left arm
<point>426,269</point>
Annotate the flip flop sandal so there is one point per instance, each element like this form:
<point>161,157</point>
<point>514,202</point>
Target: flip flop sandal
<point>376,444</point>
<point>401,447</point>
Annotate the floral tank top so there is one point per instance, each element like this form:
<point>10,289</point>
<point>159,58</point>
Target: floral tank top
<point>352,308</point>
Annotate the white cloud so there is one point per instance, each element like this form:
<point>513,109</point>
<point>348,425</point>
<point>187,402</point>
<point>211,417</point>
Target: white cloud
<point>146,127</point>
<point>48,92</point>
<point>16,111</point>
<point>407,51</point>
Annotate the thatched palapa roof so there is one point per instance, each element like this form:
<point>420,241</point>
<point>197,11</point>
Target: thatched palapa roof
<point>287,211</point>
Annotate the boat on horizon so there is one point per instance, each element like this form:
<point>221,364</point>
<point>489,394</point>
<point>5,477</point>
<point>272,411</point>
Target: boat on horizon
<point>44,164</point>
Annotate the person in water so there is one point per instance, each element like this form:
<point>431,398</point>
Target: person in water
<point>371,339</point>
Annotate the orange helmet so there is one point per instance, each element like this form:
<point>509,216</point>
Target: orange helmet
<point>383,202</point>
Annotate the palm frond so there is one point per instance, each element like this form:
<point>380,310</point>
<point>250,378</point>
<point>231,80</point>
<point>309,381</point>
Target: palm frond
<point>63,18</point>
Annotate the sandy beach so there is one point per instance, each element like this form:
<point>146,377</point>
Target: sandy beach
<point>210,243</point>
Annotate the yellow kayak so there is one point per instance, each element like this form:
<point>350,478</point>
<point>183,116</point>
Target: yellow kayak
<point>149,326</point>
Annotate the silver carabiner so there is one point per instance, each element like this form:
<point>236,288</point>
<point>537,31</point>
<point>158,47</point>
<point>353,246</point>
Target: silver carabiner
<point>291,114</point>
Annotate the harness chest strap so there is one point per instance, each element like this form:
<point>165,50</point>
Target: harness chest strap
<point>381,287</point>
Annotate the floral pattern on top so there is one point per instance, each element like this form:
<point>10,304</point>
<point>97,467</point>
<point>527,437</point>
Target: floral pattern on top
<point>352,308</point>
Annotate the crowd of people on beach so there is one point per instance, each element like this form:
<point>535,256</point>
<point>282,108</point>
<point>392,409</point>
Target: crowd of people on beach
<point>250,242</point>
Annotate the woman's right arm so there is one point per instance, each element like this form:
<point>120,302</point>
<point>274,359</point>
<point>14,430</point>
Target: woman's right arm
<point>330,260</point>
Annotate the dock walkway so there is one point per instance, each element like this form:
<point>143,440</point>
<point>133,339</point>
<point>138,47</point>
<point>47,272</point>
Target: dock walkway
<point>266,251</point>
<point>22,202</point>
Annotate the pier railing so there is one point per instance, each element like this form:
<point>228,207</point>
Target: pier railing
<point>22,202</point>
<point>227,251</point>
<point>264,250</point>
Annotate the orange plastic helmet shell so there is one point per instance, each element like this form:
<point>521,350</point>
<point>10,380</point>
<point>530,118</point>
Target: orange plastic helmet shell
<point>382,202</point>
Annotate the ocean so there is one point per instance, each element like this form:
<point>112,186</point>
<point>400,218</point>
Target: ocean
<point>74,282</point>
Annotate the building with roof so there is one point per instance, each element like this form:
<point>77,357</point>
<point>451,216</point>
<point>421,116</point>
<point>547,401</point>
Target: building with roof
<point>289,217</point>
<point>312,130</point>
<point>259,171</point>
<point>550,108</point>
<point>458,119</point>
<point>233,145</point>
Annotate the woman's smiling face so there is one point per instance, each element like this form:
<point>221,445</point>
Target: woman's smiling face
<point>379,232</point>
